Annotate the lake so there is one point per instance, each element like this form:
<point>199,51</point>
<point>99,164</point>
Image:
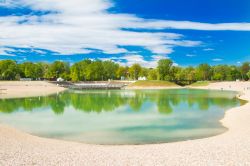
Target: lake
<point>121,116</point>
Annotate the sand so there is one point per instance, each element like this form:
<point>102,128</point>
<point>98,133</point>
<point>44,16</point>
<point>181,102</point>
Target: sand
<point>229,148</point>
<point>19,89</point>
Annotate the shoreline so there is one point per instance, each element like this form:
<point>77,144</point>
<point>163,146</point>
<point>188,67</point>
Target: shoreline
<point>229,148</point>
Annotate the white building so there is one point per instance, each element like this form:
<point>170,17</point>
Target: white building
<point>60,79</point>
<point>142,78</point>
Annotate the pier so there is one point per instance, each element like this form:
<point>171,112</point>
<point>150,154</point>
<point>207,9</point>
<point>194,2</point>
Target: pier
<point>92,85</point>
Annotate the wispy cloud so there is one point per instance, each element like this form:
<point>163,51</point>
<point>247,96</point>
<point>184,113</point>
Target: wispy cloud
<point>217,59</point>
<point>190,55</point>
<point>129,60</point>
<point>189,25</point>
<point>208,49</point>
<point>5,51</point>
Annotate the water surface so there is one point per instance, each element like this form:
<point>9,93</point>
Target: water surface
<point>121,117</point>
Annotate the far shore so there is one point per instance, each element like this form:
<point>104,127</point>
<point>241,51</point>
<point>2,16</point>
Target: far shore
<point>229,148</point>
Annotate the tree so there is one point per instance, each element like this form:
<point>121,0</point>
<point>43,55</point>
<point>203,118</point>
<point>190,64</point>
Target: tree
<point>219,72</point>
<point>59,69</point>
<point>248,74</point>
<point>144,72</point>
<point>75,72</point>
<point>31,70</point>
<point>88,70</point>
<point>244,69</point>
<point>176,73</point>
<point>110,69</point>
<point>8,70</point>
<point>235,73</point>
<point>164,69</point>
<point>95,71</point>
<point>153,74</point>
<point>204,72</point>
<point>134,71</point>
<point>83,66</point>
<point>45,69</point>
<point>189,74</point>
<point>121,72</point>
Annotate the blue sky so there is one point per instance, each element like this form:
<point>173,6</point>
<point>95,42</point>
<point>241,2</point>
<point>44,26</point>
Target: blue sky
<point>126,31</point>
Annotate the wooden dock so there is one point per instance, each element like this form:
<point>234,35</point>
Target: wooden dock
<point>88,85</point>
<point>96,86</point>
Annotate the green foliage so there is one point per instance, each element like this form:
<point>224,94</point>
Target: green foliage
<point>225,73</point>
<point>110,69</point>
<point>164,69</point>
<point>204,72</point>
<point>135,71</point>
<point>122,72</point>
<point>248,74</point>
<point>8,70</point>
<point>189,73</point>
<point>153,74</point>
<point>31,70</point>
<point>75,72</point>
<point>58,69</point>
<point>144,72</point>
<point>95,71</point>
<point>89,70</point>
<point>244,69</point>
<point>79,70</point>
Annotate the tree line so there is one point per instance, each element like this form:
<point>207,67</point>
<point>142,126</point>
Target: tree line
<point>96,70</point>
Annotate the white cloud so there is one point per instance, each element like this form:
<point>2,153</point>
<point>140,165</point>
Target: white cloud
<point>217,59</point>
<point>5,51</point>
<point>188,25</point>
<point>79,26</point>
<point>190,55</point>
<point>132,59</point>
<point>208,49</point>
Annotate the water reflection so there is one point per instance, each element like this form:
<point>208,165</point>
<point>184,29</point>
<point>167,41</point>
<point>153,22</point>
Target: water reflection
<point>105,101</point>
<point>121,117</point>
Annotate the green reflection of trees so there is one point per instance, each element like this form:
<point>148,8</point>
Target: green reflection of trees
<point>164,106</point>
<point>96,102</point>
<point>57,104</point>
<point>100,101</point>
<point>137,101</point>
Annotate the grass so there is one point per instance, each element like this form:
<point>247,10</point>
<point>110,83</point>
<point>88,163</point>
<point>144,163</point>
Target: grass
<point>200,83</point>
<point>152,84</point>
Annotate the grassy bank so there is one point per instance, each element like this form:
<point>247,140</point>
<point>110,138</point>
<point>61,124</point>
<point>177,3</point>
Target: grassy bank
<point>200,83</point>
<point>152,84</point>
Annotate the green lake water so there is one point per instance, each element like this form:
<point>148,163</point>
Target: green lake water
<point>121,116</point>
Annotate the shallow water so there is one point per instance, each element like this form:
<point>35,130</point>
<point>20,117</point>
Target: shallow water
<point>121,117</point>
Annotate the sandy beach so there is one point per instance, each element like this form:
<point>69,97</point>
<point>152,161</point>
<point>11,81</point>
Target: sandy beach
<point>19,89</point>
<point>229,148</point>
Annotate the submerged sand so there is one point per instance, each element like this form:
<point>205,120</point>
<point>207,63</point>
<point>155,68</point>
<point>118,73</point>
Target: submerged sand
<point>229,148</point>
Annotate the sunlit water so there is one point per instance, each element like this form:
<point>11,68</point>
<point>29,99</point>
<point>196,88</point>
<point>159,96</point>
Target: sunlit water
<point>121,117</point>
